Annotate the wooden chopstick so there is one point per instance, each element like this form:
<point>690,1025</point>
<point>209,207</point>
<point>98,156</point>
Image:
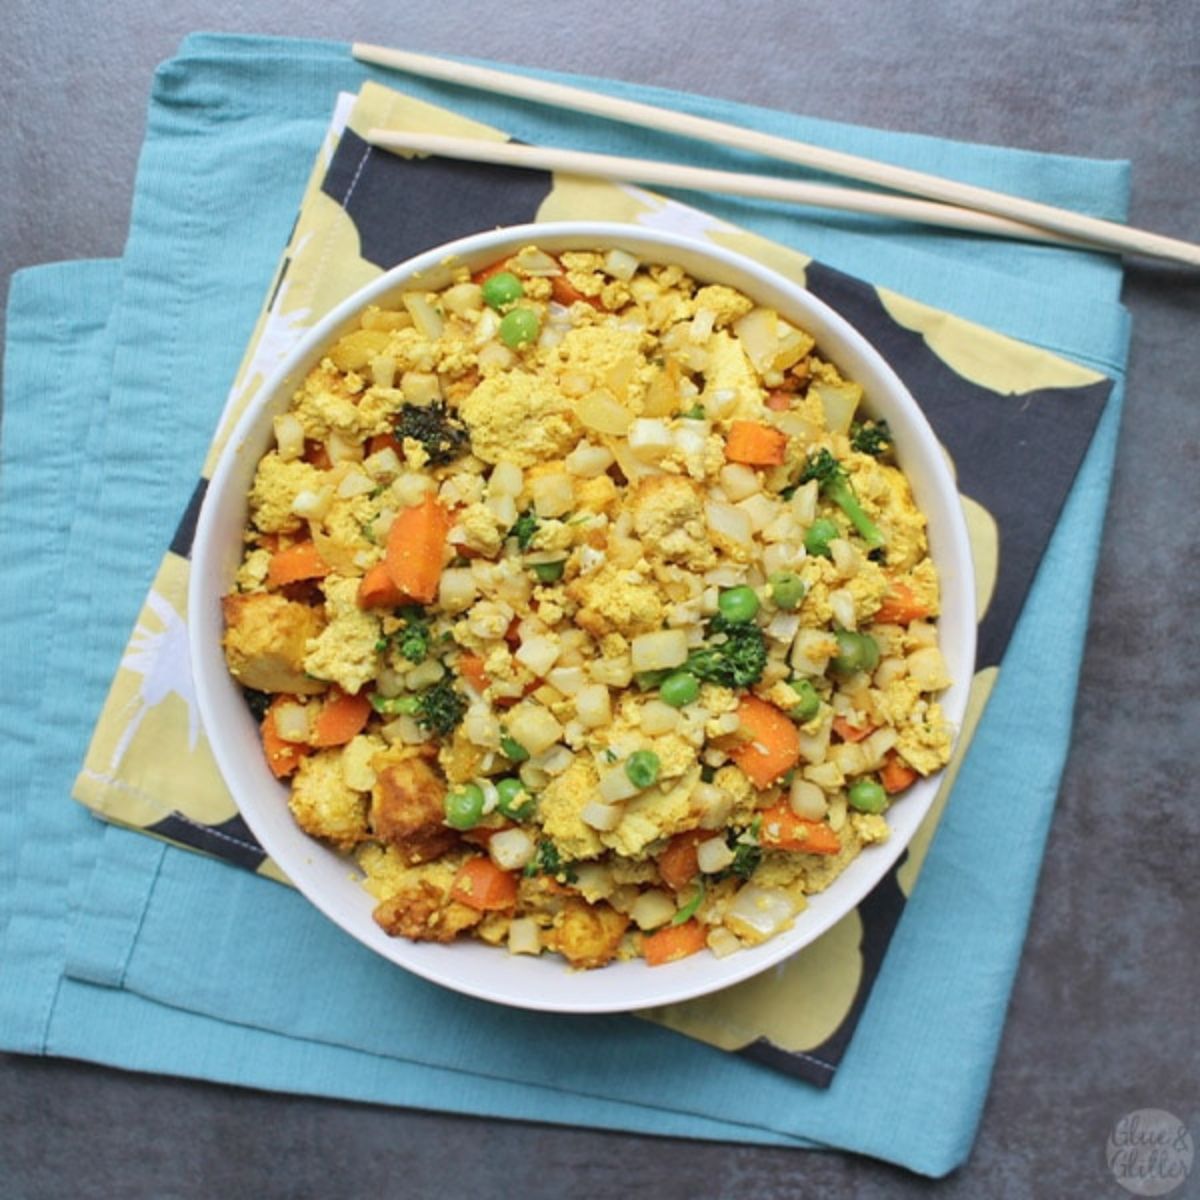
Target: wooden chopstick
<point>700,179</point>
<point>1097,233</point>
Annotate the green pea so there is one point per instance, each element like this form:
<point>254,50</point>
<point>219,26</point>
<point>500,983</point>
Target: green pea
<point>738,605</point>
<point>464,808</point>
<point>856,652</point>
<point>695,413</point>
<point>513,800</point>
<point>502,289</point>
<point>392,706</point>
<point>648,680</point>
<point>642,767</point>
<point>867,796</point>
<point>549,572</point>
<point>519,326</point>
<point>820,533</point>
<point>808,703</point>
<point>679,689</point>
<point>512,749</point>
<point>787,589</point>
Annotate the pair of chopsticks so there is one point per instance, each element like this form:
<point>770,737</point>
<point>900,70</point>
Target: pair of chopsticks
<point>929,199</point>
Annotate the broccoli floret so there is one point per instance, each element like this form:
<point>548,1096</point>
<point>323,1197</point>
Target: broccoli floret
<point>412,639</point>
<point>525,528</point>
<point>548,861</point>
<point>871,437</point>
<point>736,662</point>
<point>441,707</point>
<point>442,434</point>
<point>834,483</point>
<point>257,702</point>
<point>747,853</point>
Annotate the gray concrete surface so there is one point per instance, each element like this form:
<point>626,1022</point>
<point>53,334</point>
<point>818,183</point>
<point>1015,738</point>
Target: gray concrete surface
<point>1103,1017</point>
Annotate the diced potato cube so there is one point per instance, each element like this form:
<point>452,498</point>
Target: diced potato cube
<point>534,727</point>
<point>659,651</point>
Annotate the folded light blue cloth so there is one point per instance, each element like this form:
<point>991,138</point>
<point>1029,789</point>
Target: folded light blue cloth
<point>123,950</point>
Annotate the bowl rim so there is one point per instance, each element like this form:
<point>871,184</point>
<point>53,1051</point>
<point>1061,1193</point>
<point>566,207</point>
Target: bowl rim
<point>449,966</point>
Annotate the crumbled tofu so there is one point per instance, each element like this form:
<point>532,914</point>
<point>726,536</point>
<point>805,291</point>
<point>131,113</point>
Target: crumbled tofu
<point>519,418</point>
<point>345,652</point>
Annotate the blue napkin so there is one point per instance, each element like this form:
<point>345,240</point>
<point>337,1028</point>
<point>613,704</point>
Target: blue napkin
<point>127,951</point>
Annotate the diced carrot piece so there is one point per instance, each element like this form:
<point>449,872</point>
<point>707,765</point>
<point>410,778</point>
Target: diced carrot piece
<point>282,757</point>
<point>673,942</point>
<point>755,444</point>
<point>317,456</point>
<point>300,561</point>
<point>377,589</point>
<point>851,733</point>
<point>342,717</point>
<point>900,606</point>
<point>482,276</point>
<point>896,774</point>
<point>415,546</point>
<point>774,745</point>
<point>483,885</point>
<point>470,667</point>
<point>566,293</point>
<point>385,441</point>
<point>781,829</point>
<point>678,864</point>
<point>482,835</point>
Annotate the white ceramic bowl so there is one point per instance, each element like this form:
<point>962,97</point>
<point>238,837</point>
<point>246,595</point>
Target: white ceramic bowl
<point>322,876</point>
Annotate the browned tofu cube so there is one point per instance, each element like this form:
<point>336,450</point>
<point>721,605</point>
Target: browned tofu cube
<point>408,806</point>
<point>587,935</point>
<point>423,912</point>
<point>266,638</point>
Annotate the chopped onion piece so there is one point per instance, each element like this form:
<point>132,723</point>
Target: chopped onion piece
<point>616,786</point>
<point>289,436</point>
<point>507,479</point>
<point>650,438</point>
<point>587,461</point>
<point>727,521</point>
<point>511,849</point>
<point>553,495</point>
<point>534,727</point>
<point>355,483</point>
<point>739,481</point>
<point>758,913</point>
<point>532,261</point>
<point>927,668</point>
<point>713,855</point>
<point>425,317</point>
<point>652,909</point>
<point>603,817</point>
<point>383,466</point>
<point>291,721</point>
<point>463,299</point>
<point>807,800</point>
<point>660,650</point>
<point>424,674</point>
<point>457,589</point>
<point>841,604</point>
<point>313,506</point>
<point>343,449</point>
<point>524,936</point>
<point>600,411</point>
<point>620,264</point>
<point>722,942</point>
<point>658,718</point>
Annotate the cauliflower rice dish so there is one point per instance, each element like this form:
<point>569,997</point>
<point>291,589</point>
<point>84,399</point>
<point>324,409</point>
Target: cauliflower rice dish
<point>583,606</point>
